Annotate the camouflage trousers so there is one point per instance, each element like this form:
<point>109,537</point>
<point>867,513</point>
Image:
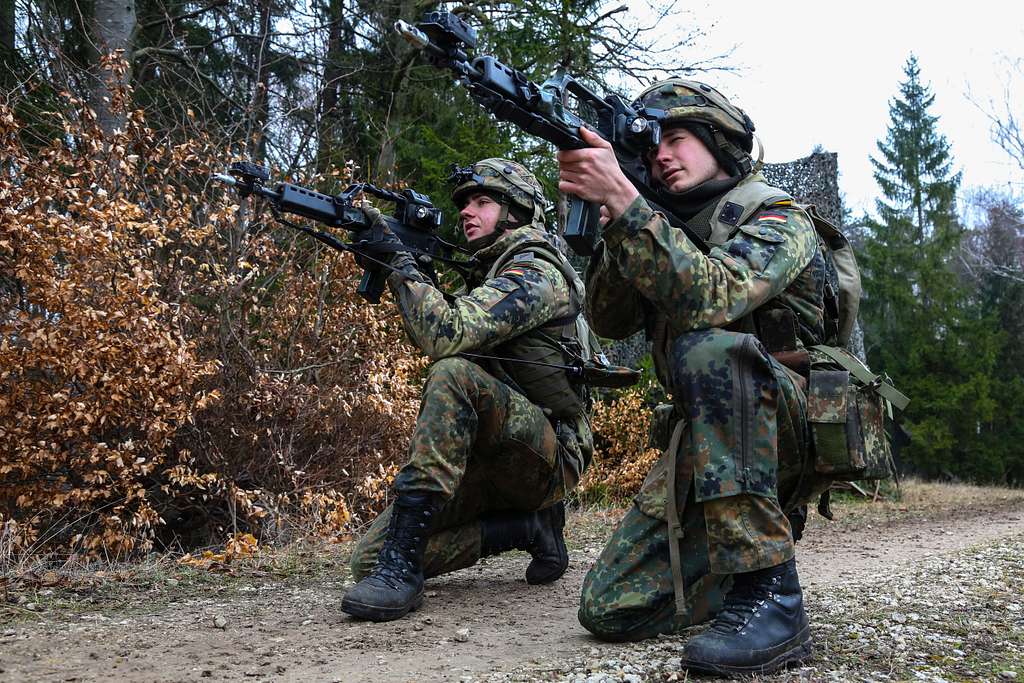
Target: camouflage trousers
<point>485,449</point>
<point>743,462</point>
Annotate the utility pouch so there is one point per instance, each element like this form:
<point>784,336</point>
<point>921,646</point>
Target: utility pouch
<point>828,411</point>
<point>662,423</point>
<point>846,408</point>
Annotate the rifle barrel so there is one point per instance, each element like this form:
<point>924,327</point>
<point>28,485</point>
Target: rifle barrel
<point>415,37</point>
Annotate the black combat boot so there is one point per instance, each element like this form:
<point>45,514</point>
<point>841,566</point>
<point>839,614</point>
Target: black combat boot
<point>539,533</point>
<point>761,628</point>
<point>395,586</point>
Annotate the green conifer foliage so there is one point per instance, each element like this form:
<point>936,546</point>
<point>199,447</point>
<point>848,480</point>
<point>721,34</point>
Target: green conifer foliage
<point>922,325</point>
<point>993,266</point>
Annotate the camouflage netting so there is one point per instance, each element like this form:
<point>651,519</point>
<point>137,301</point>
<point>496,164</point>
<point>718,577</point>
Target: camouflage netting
<point>814,180</point>
<point>811,180</point>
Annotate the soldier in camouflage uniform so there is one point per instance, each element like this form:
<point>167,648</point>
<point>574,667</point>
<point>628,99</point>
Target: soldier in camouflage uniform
<point>497,444</point>
<point>729,330</point>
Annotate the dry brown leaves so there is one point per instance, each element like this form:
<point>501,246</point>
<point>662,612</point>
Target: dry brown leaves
<point>239,546</point>
<point>170,360</point>
<point>97,377</point>
<point>621,457</point>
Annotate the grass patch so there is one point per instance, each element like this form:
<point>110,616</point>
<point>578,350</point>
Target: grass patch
<point>29,594</point>
<point>916,500</point>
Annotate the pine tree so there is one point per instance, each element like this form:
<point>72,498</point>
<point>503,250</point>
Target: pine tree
<point>921,325</point>
<point>916,219</point>
<point>915,173</point>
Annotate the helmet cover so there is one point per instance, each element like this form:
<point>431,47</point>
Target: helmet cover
<point>684,100</point>
<point>507,179</point>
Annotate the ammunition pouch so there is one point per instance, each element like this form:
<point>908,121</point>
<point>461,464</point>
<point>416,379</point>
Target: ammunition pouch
<point>847,406</point>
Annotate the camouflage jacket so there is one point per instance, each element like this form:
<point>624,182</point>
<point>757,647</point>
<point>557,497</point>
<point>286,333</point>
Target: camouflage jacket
<point>648,275</point>
<point>524,295</point>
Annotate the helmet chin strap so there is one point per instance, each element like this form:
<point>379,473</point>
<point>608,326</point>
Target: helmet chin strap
<point>759,164</point>
<point>504,223</point>
<point>483,242</point>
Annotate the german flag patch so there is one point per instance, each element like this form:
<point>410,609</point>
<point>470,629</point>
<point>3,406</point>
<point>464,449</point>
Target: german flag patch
<point>772,218</point>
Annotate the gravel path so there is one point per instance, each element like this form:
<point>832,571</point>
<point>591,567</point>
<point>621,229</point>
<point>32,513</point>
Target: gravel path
<point>892,595</point>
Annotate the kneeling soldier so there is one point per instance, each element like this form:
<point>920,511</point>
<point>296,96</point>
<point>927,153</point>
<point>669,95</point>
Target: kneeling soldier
<point>738,467</point>
<point>498,442</point>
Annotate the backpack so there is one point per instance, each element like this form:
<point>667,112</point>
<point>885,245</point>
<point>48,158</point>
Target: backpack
<point>847,404</point>
<point>843,302</point>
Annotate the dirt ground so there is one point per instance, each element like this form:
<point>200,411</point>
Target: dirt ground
<point>280,620</point>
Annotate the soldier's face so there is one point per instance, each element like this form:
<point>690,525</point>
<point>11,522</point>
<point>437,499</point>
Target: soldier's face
<point>681,161</point>
<point>479,216</point>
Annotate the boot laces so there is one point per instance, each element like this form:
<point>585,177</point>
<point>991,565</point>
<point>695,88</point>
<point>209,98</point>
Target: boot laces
<point>394,563</point>
<point>392,568</point>
<point>744,602</point>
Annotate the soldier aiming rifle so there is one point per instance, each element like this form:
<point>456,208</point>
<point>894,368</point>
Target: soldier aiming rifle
<point>503,432</point>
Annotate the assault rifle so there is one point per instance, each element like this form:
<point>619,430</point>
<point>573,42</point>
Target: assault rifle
<point>414,222</point>
<point>554,111</point>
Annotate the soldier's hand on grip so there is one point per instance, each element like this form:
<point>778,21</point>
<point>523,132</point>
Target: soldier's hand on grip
<point>378,230</point>
<point>593,174</point>
<point>382,243</point>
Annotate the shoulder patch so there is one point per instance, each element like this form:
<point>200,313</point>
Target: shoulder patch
<point>730,213</point>
<point>771,217</point>
<point>525,257</point>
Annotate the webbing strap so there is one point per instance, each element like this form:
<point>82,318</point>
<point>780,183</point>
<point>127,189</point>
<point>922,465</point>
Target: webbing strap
<point>882,385</point>
<point>675,528</point>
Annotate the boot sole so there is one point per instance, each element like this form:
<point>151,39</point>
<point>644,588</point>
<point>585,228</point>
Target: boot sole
<point>378,613</point>
<point>796,654</point>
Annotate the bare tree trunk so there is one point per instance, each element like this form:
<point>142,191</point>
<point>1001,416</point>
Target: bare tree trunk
<point>261,99</point>
<point>8,57</point>
<point>111,28</point>
<point>327,140</point>
<point>396,108</point>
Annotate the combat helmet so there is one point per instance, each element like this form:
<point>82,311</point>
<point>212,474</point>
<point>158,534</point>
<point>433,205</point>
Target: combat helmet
<point>678,100</point>
<point>517,189</point>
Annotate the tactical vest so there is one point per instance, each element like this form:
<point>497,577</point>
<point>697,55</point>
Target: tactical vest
<point>843,285</point>
<point>846,402</point>
<point>843,288</point>
<point>555,343</point>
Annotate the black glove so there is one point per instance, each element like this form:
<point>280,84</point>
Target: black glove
<point>379,242</point>
<point>403,261</point>
<point>378,232</point>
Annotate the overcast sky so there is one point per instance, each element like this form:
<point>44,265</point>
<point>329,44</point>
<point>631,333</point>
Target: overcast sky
<point>824,73</point>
